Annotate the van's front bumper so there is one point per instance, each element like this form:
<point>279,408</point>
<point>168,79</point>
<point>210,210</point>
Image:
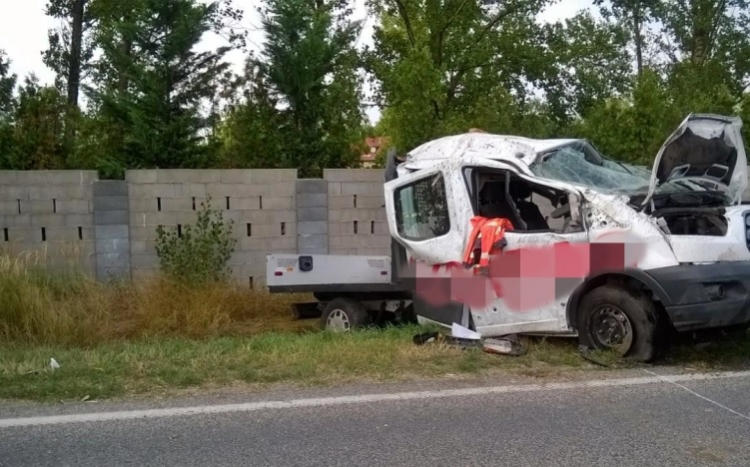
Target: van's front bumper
<point>703,296</point>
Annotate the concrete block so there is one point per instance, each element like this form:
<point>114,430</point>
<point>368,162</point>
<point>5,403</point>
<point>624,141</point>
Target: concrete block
<point>48,220</point>
<point>110,188</point>
<point>17,221</point>
<point>190,190</point>
<point>273,175</point>
<point>377,190</point>
<point>312,228</point>
<point>11,192</point>
<point>189,175</point>
<point>281,244</point>
<point>79,220</point>
<point>189,218</point>
<point>283,216</point>
<point>277,203</point>
<point>37,207</point>
<point>143,205</point>
<point>70,234</point>
<point>264,217</point>
<point>114,245</point>
<point>48,177</point>
<point>72,206</point>
<point>219,192</point>
<point>139,261</point>
<point>178,204</point>
<point>241,176</point>
<point>111,203</point>
<point>142,232</point>
<point>112,260</point>
<point>255,244</point>
<point>312,186</point>
<point>8,207</point>
<point>312,244</point>
<point>143,246</point>
<point>245,204</point>
<point>334,188</point>
<point>381,215</point>
<point>338,175</point>
<point>369,175</point>
<point>153,219</point>
<point>341,201</point>
<point>153,191</point>
<point>242,258</point>
<point>140,176</point>
<point>60,192</point>
<point>289,175</point>
<point>381,228</point>
<point>312,214</point>
<point>106,232</point>
<point>283,189</point>
<point>315,200</point>
<point>371,202</point>
<point>111,218</point>
<point>267,230</point>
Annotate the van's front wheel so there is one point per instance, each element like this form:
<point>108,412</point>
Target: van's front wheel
<point>618,319</point>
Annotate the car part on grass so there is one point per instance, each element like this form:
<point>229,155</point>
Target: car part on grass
<point>505,346</point>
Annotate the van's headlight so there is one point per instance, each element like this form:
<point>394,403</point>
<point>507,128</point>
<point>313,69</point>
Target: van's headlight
<point>747,229</point>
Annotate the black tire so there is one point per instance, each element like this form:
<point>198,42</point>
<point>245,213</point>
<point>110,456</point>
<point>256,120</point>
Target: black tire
<point>617,318</point>
<point>345,314</point>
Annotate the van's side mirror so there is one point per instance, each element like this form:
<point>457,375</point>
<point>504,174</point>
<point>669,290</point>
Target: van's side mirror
<point>391,163</point>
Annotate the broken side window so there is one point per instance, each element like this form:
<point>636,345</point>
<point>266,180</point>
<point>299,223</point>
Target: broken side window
<point>422,209</point>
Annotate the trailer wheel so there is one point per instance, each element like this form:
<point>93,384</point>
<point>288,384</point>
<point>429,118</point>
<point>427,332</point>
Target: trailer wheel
<point>619,319</point>
<point>345,314</point>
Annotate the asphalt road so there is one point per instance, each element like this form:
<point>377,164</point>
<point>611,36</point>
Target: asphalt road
<point>629,419</point>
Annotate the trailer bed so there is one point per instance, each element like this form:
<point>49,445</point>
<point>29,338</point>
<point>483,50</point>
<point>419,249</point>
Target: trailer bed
<point>295,273</point>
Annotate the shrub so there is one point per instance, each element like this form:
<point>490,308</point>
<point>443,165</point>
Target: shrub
<point>200,253</point>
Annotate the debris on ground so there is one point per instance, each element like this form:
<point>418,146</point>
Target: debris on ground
<point>464,338</point>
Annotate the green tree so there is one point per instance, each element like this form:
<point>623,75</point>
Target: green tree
<point>7,108</point>
<point>310,67</point>
<point>38,128</point>
<point>445,66</point>
<point>153,84</point>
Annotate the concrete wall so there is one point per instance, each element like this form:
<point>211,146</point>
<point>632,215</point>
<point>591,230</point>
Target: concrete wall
<point>109,227</point>
<point>49,212</point>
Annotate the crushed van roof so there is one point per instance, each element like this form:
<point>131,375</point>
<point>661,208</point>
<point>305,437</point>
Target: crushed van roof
<point>485,145</point>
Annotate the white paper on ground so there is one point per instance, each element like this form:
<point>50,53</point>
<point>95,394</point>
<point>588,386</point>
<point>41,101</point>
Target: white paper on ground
<point>464,333</point>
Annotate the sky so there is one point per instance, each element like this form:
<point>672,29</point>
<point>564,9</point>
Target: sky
<point>24,26</point>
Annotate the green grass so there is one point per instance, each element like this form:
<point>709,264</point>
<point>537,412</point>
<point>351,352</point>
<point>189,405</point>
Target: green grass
<point>166,365</point>
<point>312,358</point>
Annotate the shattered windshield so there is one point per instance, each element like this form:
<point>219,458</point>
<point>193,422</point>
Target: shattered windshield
<point>579,163</point>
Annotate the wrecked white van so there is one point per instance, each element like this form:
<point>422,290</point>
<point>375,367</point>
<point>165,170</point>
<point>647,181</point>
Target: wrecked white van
<point>683,233</point>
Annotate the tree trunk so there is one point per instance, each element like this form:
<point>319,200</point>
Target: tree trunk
<point>638,37</point>
<point>76,43</point>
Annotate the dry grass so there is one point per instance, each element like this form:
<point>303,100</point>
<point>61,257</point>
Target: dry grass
<point>66,307</point>
<point>137,338</point>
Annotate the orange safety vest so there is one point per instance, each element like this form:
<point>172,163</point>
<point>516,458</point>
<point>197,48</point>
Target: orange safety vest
<point>487,234</point>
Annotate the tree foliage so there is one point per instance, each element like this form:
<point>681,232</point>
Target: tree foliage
<point>135,88</point>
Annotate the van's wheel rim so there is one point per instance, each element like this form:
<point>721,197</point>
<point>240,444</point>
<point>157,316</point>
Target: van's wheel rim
<point>338,321</point>
<point>611,329</point>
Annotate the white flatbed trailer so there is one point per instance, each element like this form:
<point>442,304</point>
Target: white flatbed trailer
<point>351,290</point>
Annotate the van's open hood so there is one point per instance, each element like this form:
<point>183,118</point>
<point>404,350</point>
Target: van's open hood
<point>707,150</point>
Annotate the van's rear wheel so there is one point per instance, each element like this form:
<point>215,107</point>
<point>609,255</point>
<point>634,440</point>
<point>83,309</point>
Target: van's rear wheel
<point>619,319</point>
<point>344,314</point>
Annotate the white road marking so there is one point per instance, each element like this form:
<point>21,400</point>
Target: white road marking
<point>358,399</point>
<point>699,395</point>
